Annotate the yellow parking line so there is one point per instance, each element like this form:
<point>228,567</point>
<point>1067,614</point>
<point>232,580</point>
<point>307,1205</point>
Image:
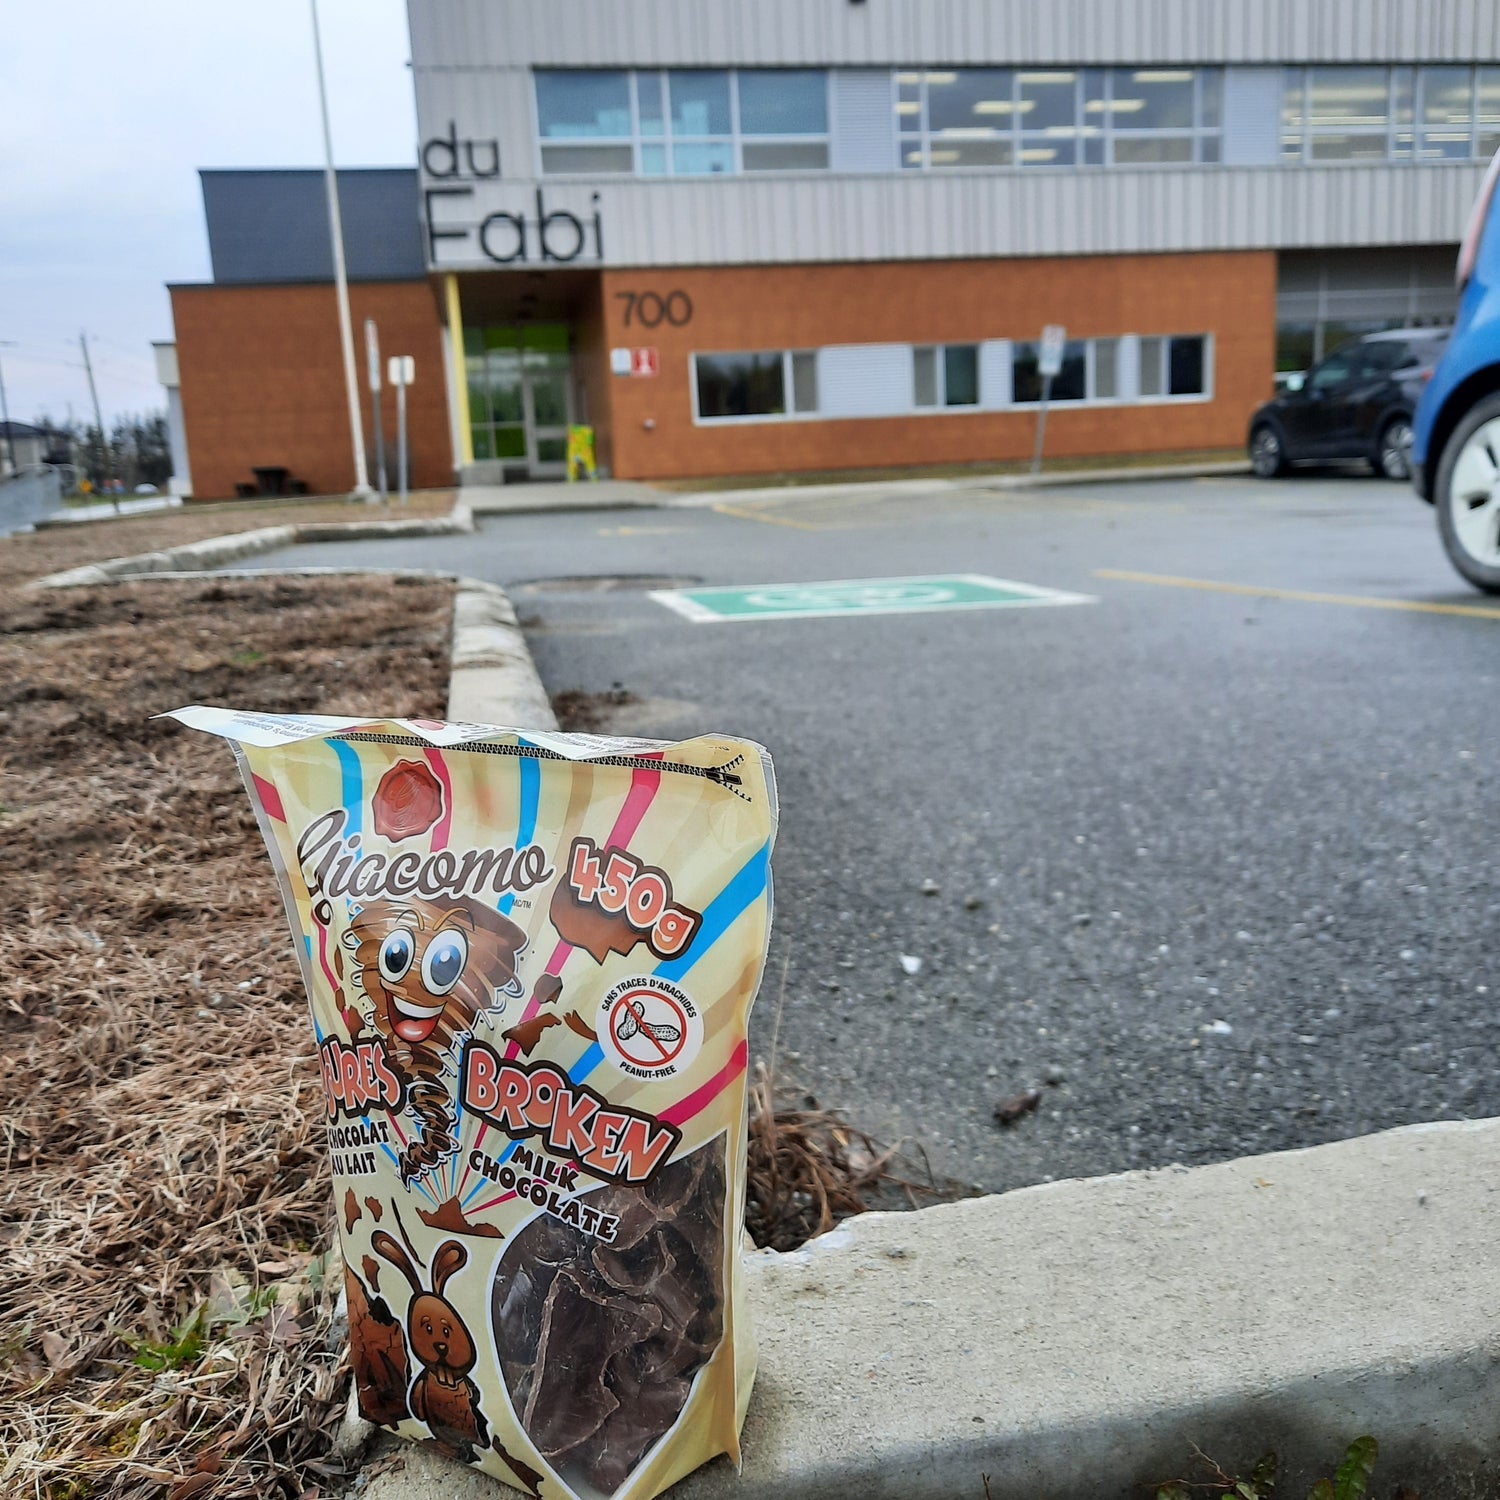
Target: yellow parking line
<point>1304,596</point>
<point>751,515</point>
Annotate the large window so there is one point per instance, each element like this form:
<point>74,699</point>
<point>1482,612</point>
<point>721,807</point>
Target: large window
<point>1439,113</point>
<point>683,122</point>
<point>995,376</point>
<point>729,386</point>
<point>999,117</point>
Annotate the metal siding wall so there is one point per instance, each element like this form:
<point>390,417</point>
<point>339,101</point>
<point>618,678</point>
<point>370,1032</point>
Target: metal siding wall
<point>1252,117</point>
<point>602,33</point>
<point>995,373</point>
<point>889,215</point>
<point>864,380</point>
<point>863,121</point>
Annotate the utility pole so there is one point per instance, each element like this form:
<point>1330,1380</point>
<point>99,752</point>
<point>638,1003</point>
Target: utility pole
<point>83,343</point>
<point>10,437</point>
<point>336,230</point>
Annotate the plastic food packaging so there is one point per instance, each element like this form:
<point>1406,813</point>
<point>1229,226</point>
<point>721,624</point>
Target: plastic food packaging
<point>530,963</point>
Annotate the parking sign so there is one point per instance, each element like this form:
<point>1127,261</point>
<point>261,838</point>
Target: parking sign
<point>1054,338</point>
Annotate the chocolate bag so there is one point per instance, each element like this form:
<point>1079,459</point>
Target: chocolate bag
<point>530,963</point>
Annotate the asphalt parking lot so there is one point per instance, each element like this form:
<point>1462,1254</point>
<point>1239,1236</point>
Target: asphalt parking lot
<point>1206,860</point>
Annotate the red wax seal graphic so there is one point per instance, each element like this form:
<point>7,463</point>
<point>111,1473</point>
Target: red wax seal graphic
<point>408,801</point>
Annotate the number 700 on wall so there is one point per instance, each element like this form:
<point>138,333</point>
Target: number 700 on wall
<point>652,309</point>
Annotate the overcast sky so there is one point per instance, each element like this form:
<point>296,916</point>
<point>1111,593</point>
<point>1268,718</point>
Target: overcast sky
<point>106,113</point>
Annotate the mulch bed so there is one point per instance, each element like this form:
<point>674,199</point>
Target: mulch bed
<point>164,1210</point>
<point>167,1291</point>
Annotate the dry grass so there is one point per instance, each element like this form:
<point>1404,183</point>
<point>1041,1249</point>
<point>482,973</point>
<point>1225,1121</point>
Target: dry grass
<point>35,554</point>
<point>164,1209</point>
<point>166,1288</point>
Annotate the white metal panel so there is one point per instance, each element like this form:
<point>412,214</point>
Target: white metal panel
<point>864,380</point>
<point>863,121</point>
<point>1252,117</point>
<point>1128,370</point>
<point>602,33</point>
<point>931,216</point>
<point>994,373</point>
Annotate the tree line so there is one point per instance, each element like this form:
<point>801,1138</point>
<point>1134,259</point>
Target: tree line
<point>138,449</point>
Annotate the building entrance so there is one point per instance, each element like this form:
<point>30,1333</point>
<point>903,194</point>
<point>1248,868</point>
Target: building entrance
<point>520,397</point>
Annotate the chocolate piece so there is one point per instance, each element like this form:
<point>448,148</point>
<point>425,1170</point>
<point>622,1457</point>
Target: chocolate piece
<point>589,927</point>
<point>372,1272</point>
<point>599,1341</point>
<point>449,1215</point>
<point>546,990</point>
<point>526,1034</point>
<point>575,1022</point>
<point>568,1401</point>
<point>376,1207</point>
<point>351,1211</point>
<point>377,1351</point>
<point>408,801</point>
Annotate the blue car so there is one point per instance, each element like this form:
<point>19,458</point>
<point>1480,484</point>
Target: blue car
<point>1455,451</point>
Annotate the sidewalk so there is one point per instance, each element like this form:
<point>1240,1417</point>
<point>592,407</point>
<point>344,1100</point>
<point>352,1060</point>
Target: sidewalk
<point>608,494</point>
<point>1073,1341</point>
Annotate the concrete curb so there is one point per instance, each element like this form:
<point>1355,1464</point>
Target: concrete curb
<point>1072,1341</point>
<point>214,552</point>
<point>793,492</point>
<point>493,679</point>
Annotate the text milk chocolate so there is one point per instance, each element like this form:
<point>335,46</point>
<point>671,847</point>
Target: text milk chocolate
<point>530,962</point>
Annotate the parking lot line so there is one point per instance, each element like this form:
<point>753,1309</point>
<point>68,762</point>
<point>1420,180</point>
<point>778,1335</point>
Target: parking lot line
<point>742,514</point>
<point>1303,596</point>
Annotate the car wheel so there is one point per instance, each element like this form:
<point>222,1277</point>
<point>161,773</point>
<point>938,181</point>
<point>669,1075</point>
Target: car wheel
<point>1266,455</point>
<point>1467,496</point>
<point>1393,451</point>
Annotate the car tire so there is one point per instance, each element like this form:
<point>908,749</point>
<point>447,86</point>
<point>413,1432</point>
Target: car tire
<point>1267,455</point>
<point>1467,496</point>
<point>1393,450</point>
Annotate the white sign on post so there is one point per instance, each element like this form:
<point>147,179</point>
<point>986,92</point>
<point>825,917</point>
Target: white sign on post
<point>1054,340</point>
<point>372,362</point>
<point>1048,365</point>
<point>372,354</point>
<point>402,370</point>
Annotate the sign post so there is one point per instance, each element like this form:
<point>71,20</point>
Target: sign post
<point>403,371</point>
<point>372,362</point>
<point>1049,362</point>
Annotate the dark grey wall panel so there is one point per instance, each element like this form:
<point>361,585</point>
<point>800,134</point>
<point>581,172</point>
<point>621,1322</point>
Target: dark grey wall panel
<point>273,225</point>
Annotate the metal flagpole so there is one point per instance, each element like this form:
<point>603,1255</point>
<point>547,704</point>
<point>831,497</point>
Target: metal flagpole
<point>362,488</point>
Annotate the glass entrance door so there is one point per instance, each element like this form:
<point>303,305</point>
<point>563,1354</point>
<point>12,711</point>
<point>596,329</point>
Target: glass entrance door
<point>520,398</point>
<point>548,377</point>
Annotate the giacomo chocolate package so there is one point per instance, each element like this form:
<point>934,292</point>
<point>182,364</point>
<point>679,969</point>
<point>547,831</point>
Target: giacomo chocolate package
<point>530,962</point>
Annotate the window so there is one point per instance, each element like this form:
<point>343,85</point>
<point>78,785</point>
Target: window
<point>730,386</point>
<point>999,117</point>
<point>1069,384</point>
<point>783,120</point>
<point>945,375</point>
<point>686,122</point>
<point>804,381</point>
<point>784,384</point>
<point>591,111</point>
<point>1487,112</point>
<point>1440,113</point>
<point>1173,367</point>
<point>1106,369</point>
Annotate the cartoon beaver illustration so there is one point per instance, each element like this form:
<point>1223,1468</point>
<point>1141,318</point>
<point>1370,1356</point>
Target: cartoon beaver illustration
<point>429,970</point>
<point>443,1396</point>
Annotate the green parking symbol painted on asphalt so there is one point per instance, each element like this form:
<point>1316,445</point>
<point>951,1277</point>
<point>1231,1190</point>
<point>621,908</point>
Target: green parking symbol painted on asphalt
<point>859,596</point>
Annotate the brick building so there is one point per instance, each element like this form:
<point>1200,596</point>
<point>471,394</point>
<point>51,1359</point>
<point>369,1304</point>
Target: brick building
<point>821,234</point>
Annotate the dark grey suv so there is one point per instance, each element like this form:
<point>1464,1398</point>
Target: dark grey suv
<point>1356,403</point>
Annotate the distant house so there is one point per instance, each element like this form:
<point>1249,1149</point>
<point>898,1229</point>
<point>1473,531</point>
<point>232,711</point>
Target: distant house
<point>31,445</point>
